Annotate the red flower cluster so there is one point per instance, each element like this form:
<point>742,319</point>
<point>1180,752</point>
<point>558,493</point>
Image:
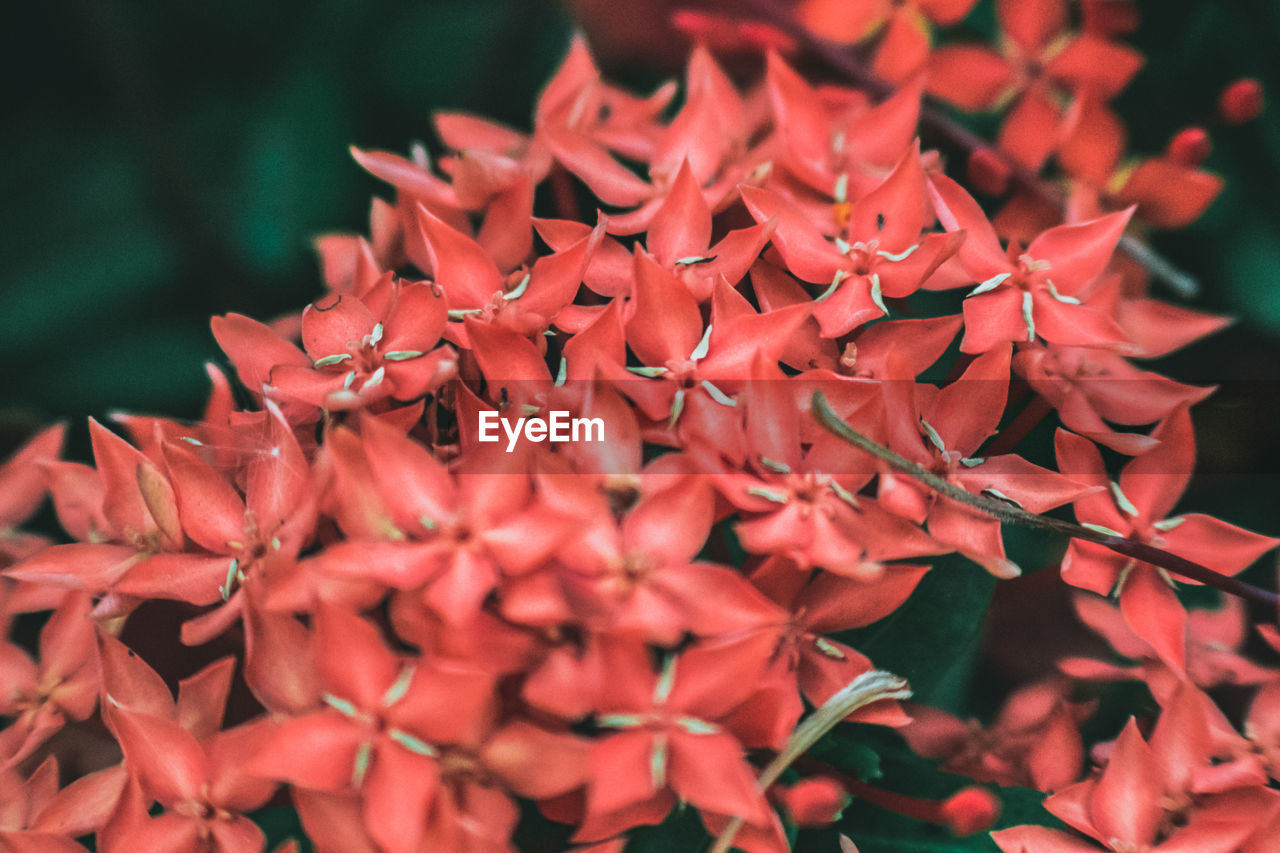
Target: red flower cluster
<point>438,628</point>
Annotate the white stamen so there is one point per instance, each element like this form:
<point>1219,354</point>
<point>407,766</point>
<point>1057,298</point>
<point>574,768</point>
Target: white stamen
<point>876,296</point>
<point>933,435</point>
<point>901,256</point>
<point>677,406</point>
<point>775,466</point>
<point>1053,291</point>
<point>718,395</point>
<point>840,276</point>
<point>329,360</point>
<point>1123,501</point>
<point>375,379</point>
<point>519,289</point>
<point>996,493</point>
<point>700,351</point>
<point>990,284</point>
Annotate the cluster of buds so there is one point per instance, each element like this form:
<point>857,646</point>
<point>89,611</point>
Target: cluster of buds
<point>632,600</point>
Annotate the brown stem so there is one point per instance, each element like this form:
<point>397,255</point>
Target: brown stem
<point>916,808</point>
<point>1027,420</point>
<point>941,126</point>
<point>562,191</point>
<point>1011,513</point>
<point>958,369</point>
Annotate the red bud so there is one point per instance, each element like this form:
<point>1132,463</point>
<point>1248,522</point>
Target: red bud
<point>1190,146</point>
<point>693,23</point>
<point>815,802</point>
<point>766,37</point>
<point>970,810</point>
<point>1241,101</point>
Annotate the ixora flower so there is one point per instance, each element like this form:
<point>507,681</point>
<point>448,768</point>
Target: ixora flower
<point>1036,293</point>
<point>359,351</point>
<point>1139,504</point>
<point>1157,794</point>
<point>440,619</point>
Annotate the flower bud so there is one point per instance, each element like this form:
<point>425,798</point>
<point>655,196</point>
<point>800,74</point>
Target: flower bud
<point>817,801</point>
<point>1190,146</point>
<point>1241,101</point>
<point>970,810</point>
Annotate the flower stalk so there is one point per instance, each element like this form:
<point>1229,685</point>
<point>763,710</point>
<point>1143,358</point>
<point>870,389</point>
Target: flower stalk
<point>869,687</point>
<point>1010,513</point>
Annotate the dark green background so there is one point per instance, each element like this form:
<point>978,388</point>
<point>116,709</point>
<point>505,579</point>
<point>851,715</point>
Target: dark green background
<point>165,162</point>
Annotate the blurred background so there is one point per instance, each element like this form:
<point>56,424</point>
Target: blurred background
<point>166,162</point>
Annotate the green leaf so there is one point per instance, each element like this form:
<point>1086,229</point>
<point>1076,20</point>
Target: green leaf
<point>680,832</point>
<point>737,553</point>
<point>281,823</point>
<point>933,639</point>
<point>844,750</point>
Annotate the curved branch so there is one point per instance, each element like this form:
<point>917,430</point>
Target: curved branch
<point>874,686</point>
<point>1012,514</point>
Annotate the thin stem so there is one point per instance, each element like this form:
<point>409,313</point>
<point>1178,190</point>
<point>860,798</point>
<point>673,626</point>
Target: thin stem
<point>873,686</point>
<point>1011,513</point>
<point>1178,280</point>
<point>941,126</point>
<point>929,811</point>
<point>960,822</point>
<point>562,190</point>
<point>958,369</point>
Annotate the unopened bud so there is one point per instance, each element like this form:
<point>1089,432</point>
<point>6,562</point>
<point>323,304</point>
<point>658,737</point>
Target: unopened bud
<point>695,24</point>
<point>815,802</point>
<point>1190,146</point>
<point>970,810</point>
<point>1241,101</point>
<point>764,36</point>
